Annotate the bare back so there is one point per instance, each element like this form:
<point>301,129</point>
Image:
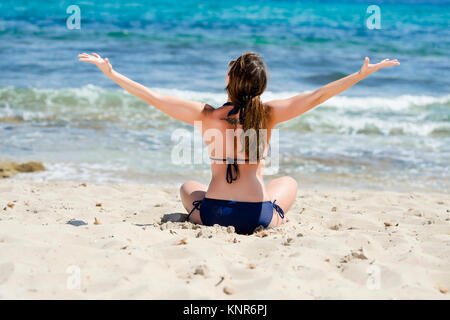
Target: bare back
<point>222,139</point>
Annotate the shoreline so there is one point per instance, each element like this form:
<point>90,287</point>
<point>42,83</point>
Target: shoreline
<point>336,246</point>
<point>45,172</point>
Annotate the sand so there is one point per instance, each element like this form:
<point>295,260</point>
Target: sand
<point>67,240</point>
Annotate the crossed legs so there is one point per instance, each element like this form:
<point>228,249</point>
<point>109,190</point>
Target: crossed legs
<point>283,190</point>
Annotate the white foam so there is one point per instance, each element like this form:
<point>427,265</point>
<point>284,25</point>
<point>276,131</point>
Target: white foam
<point>92,103</point>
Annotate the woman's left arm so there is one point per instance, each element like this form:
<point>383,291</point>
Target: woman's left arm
<point>286,109</point>
<point>179,109</point>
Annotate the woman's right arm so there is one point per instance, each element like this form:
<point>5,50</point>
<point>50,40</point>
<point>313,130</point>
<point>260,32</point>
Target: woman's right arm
<point>286,109</point>
<point>183,110</point>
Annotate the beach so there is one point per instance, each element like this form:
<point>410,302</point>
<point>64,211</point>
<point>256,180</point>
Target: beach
<point>126,241</point>
<point>89,174</point>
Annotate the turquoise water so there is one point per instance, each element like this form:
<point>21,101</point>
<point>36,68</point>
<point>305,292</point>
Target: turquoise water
<point>390,131</point>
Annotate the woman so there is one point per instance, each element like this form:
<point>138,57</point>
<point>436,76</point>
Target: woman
<point>237,195</point>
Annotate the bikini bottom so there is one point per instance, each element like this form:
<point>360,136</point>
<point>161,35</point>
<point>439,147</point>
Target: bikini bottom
<point>245,217</point>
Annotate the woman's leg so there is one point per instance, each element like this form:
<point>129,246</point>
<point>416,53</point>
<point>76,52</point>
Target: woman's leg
<point>284,190</point>
<point>189,192</point>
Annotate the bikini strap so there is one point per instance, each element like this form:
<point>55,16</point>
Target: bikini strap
<point>235,110</point>
<point>230,167</point>
<point>196,204</point>
<point>234,166</point>
<point>278,209</point>
<point>236,160</point>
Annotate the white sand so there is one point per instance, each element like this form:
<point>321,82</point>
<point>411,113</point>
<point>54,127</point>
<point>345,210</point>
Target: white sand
<point>320,254</point>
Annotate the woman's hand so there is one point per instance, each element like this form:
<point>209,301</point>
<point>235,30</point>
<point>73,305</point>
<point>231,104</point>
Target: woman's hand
<point>367,69</point>
<point>102,64</point>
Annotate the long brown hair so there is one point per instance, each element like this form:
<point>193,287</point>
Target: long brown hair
<point>247,81</point>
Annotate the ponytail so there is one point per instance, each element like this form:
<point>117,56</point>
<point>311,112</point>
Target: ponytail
<point>247,81</point>
<point>255,119</point>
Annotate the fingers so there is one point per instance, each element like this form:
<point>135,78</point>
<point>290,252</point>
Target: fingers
<point>389,60</point>
<point>366,61</point>
<point>389,63</point>
<point>85,57</point>
<point>96,55</point>
<point>86,60</point>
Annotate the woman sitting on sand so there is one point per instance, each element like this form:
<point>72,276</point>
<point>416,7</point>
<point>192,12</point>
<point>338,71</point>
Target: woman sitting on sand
<point>237,195</point>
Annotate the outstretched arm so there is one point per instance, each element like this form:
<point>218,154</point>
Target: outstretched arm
<point>186,111</point>
<point>286,109</point>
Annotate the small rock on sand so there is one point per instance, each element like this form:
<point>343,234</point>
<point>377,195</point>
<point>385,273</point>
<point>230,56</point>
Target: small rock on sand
<point>443,289</point>
<point>96,221</point>
<point>98,204</point>
<point>201,270</point>
<point>228,290</point>
<point>334,209</point>
<point>388,224</point>
<point>261,234</point>
<point>75,223</point>
<point>359,255</point>
<point>258,229</point>
<point>11,205</point>
<point>181,242</point>
<point>288,242</point>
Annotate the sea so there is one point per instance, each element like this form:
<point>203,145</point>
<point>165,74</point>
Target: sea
<point>391,131</point>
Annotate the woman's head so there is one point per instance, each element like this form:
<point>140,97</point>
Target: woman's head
<point>246,81</point>
<point>246,78</point>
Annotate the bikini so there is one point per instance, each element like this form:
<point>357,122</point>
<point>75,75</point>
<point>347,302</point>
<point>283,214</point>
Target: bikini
<point>245,217</point>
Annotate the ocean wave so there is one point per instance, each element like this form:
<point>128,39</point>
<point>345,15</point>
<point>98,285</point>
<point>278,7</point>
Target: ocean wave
<point>90,105</point>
